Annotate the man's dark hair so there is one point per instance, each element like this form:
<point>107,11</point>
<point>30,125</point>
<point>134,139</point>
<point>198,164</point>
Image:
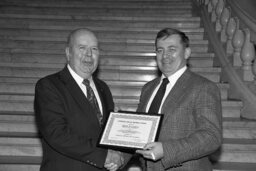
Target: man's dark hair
<point>166,32</point>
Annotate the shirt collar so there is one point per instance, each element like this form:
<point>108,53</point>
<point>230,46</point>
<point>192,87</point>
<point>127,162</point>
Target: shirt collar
<point>174,77</point>
<point>79,80</point>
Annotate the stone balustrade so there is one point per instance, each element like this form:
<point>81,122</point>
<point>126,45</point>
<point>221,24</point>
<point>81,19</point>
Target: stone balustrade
<point>236,39</point>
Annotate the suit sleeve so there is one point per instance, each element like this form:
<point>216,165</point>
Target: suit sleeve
<point>208,134</point>
<point>53,125</point>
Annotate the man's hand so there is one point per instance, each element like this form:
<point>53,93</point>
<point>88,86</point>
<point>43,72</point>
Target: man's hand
<point>114,160</point>
<point>153,151</point>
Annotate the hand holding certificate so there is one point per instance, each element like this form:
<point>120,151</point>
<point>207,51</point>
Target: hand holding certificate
<point>153,151</point>
<point>130,130</point>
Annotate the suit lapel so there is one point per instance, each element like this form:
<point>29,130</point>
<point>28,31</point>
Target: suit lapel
<point>75,90</point>
<point>176,94</point>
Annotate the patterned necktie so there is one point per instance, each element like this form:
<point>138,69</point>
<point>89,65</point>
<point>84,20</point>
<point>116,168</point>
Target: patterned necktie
<point>92,99</point>
<point>156,103</point>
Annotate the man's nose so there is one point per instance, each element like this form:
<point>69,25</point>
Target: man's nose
<point>88,52</point>
<point>165,55</point>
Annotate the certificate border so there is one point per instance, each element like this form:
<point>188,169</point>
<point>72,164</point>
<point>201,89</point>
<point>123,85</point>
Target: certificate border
<point>104,142</point>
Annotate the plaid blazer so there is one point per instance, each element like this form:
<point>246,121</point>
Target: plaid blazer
<point>192,124</point>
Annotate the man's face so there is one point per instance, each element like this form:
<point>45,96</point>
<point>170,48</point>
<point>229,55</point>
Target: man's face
<point>170,54</point>
<point>83,54</point>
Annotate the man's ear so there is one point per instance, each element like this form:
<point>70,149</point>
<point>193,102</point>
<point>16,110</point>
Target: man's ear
<point>187,52</point>
<point>67,53</point>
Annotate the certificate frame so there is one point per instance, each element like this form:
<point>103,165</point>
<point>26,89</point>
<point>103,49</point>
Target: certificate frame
<point>130,130</point>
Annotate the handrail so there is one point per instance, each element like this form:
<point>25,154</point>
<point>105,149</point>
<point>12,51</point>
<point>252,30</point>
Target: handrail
<point>245,94</point>
<point>246,17</point>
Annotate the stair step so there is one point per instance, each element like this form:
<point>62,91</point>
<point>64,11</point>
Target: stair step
<point>24,125</point>
<point>96,17</point>
<point>96,28</point>
<point>147,73</point>
<point>177,7</point>
<point>102,40</point>
<point>16,107</point>
<point>17,118</point>
<point>25,91</point>
<point>18,80</point>
<point>19,96</point>
<point>19,167</point>
<point>222,166</point>
<point>231,166</point>
<point>235,150</point>
<point>239,128</point>
<point>101,11</point>
<point>108,46</point>
<point>102,4</point>
<point>20,147</point>
<point>101,34</point>
<point>60,53</point>
<point>111,72</point>
<point>18,128</point>
<point>31,147</point>
<point>203,61</point>
<point>100,23</point>
<point>230,108</point>
<point>79,1</point>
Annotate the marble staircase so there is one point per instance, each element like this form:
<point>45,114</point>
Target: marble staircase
<point>32,42</point>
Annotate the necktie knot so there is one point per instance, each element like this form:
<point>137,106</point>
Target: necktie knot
<point>86,82</point>
<point>165,81</point>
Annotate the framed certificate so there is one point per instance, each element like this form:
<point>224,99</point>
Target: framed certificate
<point>130,130</point>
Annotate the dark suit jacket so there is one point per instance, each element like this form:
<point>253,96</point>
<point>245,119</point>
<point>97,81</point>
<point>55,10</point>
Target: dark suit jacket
<point>68,124</point>
<point>191,127</point>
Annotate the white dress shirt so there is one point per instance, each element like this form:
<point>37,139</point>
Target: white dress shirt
<point>172,80</point>
<point>79,81</point>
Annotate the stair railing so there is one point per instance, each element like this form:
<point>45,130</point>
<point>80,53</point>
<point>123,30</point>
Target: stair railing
<point>233,43</point>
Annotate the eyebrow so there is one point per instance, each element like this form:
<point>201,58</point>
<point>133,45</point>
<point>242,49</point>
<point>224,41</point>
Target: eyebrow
<point>172,46</point>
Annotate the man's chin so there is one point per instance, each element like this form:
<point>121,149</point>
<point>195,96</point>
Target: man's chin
<point>86,72</point>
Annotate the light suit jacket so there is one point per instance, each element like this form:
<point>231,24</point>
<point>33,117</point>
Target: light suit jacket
<point>68,124</point>
<point>192,125</point>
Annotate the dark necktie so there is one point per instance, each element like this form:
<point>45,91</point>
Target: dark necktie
<point>156,103</point>
<point>92,99</point>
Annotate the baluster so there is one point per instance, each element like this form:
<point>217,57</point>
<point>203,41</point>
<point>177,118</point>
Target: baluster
<point>225,15</point>
<point>231,27</point>
<point>247,56</point>
<point>254,70</point>
<point>209,5</point>
<point>218,11</point>
<point>237,42</point>
<point>213,14</point>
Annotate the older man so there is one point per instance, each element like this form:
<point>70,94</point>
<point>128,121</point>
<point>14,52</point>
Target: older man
<point>70,107</point>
